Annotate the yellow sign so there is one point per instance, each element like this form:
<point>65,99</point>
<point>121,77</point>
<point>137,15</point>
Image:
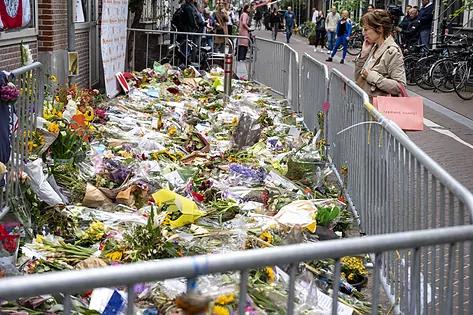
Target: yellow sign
<point>73,63</point>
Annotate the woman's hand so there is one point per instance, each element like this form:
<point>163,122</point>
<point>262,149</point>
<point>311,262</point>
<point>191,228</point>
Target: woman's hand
<point>365,50</point>
<point>364,73</point>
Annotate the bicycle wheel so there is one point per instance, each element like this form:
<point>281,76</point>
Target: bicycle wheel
<point>354,46</point>
<point>410,63</point>
<point>422,74</point>
<point>463,81</point>
<point>441,74</point>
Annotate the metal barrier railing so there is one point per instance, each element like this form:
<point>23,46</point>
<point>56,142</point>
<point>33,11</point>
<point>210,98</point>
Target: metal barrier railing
<point>412,243</point>
<point>271,65</point>
<point>201,51</point>
<point>382,165</point>
<point>29,79</point>
<point>314,93</point>
<point>393,186</point>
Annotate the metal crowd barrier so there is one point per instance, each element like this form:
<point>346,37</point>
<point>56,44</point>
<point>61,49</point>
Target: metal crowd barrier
<point>148,46</point>
<point>393,186</point>
<point>314,93</point>
<point>416,301</point>
<point>270,65</point>
<point>29,79</point>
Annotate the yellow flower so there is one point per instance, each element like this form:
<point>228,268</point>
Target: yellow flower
<point>172,131</point>
<point>225,299</point>
<point>53,78</point>
<point>59,114</point>
<point>89,113</point>
<point>125,154</point>
<point>234,121</point>
<point>39,238</point>
<point>220,310</point>
<point>53,128</point>
<point>270,274</point>
<point>115,256</point>
<point>57,98</point>
<point>30,145</point>
<point>267,237</point>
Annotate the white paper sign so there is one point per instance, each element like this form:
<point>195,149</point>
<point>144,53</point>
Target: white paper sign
<point>80,17</point>
<point>113,40</point>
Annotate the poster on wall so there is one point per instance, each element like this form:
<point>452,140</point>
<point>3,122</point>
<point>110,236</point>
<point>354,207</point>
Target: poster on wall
<point>79,13</point>
<point>14,14</point>
<point>113,41</point>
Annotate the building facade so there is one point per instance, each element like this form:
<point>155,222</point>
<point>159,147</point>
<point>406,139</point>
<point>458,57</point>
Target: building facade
<point>47,36</point>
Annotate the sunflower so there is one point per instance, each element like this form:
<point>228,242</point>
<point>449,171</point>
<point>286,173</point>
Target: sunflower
<point>53,128</point>
<point>267,237</point>
<point>270,274</point>
<point>89,113</point>
<point>220,310</point>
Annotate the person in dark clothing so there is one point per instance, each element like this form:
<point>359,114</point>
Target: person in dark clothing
<point>258,18</point>
<point>343,34</point>
<point>410,34</point>
<point>289,22</point>
<point>187,20</point>
<point>275,20</point>
<point>426,15</point>
<point>405,21</point>
<point>320,32</point>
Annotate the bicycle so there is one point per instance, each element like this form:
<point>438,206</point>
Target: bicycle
<point>463,78</point>
<point>355,43</point>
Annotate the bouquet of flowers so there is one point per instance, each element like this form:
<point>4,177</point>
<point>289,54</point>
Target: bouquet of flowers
<point>9,93</point>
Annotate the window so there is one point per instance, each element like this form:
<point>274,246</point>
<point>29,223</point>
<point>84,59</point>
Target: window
<point>14,30</point>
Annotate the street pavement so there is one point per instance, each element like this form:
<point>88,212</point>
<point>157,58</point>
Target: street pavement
<point>448,134</point>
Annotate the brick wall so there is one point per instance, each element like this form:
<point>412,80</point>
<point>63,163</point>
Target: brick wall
<point>82,47</point>
<point>52,25</point>
<point>11,57</point>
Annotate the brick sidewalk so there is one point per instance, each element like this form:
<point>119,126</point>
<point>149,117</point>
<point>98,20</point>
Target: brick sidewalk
<point>455,157</point>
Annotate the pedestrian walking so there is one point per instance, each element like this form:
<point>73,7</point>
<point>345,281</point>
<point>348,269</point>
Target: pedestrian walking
<point>289,23</point>
<point>331,23</point>
<point>320,32</point>
<point>379,68</point>
<point>275,20</point>
<point>426,16</point>
<point>343,32</point>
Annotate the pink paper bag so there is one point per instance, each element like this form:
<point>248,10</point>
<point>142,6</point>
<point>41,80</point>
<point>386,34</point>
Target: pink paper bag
<point>406,111</point>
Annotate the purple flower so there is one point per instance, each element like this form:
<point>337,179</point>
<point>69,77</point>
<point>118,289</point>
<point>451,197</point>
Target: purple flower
<point>9,93</point>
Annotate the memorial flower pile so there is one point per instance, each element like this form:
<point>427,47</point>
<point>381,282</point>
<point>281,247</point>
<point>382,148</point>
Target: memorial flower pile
<point>172,170</point>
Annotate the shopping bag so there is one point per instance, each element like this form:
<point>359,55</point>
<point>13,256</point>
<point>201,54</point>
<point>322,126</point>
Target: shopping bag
<point>406,111</point>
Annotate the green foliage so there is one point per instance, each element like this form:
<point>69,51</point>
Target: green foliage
<point>326,215</point>
<point>147,242</point>
<point>349,5</point>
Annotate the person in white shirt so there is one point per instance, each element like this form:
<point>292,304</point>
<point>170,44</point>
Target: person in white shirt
<point>331,22</point>
<point>315,15</point>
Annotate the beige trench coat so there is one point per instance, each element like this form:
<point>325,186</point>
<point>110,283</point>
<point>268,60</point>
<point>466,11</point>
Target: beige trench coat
<point>385,65</point>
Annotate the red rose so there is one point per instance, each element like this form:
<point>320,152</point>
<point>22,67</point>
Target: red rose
<point>9,243</point>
